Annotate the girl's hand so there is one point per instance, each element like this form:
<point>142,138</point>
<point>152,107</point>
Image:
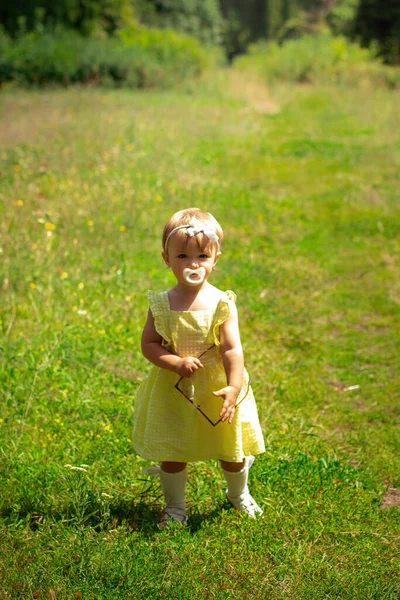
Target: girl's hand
<point>230,395</point>
<point>185,367</point>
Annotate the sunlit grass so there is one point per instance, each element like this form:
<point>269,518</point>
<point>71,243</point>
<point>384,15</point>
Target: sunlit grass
<point>307,194</point>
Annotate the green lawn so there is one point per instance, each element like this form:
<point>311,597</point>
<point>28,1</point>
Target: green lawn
<point>306,186</point>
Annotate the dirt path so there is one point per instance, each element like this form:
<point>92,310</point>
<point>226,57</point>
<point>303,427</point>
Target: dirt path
<point>253,91</point>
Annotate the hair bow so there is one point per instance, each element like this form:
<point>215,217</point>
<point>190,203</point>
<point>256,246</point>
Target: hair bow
<point>195,226</point>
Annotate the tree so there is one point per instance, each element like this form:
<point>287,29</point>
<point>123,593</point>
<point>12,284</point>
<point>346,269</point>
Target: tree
<point>374,22</point>
<point>292,18</point>
<point>200,18</point>
<point>342,16</point>
<point>318,10</point>
<point>244,23</point>
<point>274,18</point>
<point>86,16</point>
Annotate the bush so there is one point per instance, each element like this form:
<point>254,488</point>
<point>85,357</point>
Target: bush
<point>138,57</point>
<point>317,58</point>
<point>181,54</point>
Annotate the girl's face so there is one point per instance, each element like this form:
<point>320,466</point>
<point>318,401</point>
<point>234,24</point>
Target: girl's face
<point>184,259</point>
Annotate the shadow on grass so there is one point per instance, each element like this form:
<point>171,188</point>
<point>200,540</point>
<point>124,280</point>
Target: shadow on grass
<point>146,518</point>
<point>134,517</point>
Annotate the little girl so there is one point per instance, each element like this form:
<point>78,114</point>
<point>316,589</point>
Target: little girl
<point>196,403</point>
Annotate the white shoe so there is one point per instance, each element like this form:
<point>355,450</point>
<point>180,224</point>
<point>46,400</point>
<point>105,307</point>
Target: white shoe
<point>246,503</point>
<point>238,493</point>
<point>173,514</point>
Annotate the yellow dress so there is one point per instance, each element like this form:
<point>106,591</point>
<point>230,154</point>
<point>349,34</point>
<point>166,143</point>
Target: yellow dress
<point>178,419</point>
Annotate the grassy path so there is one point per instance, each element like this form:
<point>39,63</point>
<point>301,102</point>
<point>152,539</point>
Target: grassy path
<point>305,181</point>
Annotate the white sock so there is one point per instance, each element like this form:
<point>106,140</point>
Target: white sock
<point>236,482</point>
<point>173,486</point>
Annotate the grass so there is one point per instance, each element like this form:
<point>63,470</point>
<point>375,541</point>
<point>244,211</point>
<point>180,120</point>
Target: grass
<point>308,197</point>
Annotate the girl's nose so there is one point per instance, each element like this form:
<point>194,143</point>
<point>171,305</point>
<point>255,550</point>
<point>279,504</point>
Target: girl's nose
<point>193,263</point>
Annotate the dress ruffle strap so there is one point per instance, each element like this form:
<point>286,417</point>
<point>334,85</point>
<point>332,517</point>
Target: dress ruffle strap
<point>231,295</point>
<point>159,306</point>
<point>222,313</point>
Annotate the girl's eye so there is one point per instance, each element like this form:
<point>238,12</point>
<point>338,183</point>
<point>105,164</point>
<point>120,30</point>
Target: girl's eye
<point>182,255</point>
<point>203,256</point>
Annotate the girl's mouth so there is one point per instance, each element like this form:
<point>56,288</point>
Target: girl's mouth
<point>194,276</point>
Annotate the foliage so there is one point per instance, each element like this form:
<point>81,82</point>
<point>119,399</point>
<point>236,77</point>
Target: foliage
<point>308,197</point>
<point>200,18</point>
<point>374,22</point>
<point>86,16</point>
<point>318,58</point>
<point>293,18</point>
<point>244,22</point>
<point>342,16</point>
<point>234,24</point>
<point>247,22</point>
<point>274,18</point>
<point>139,57</point>
<point>183,53</point>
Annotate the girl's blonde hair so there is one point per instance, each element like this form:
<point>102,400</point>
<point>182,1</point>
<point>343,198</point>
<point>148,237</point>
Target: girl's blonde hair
<point>183,217</point>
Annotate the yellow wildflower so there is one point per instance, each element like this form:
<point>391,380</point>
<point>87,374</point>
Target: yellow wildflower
<point>49,226</point>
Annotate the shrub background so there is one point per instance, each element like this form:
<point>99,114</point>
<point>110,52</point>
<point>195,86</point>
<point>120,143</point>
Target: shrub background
<point>322,58</point>
<point>137,57</point>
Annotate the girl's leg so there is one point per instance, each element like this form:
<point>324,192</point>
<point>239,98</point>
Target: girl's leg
<point>232,467</point>
<point>173,476</point>
<point>236,476</point>
<point>172,467</point>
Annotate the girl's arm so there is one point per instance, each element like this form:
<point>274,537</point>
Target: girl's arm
<point>155,352</point>
<point>232,358</point>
